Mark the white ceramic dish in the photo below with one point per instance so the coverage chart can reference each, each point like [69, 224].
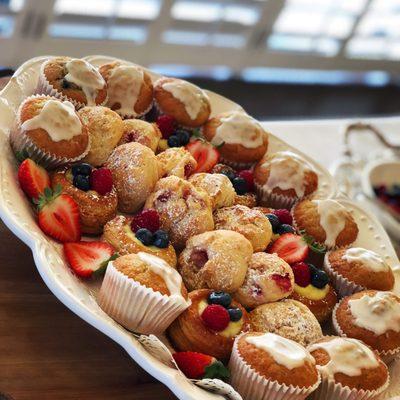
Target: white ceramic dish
[79, 296]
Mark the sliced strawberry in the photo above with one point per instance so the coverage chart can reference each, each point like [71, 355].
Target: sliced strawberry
[88, 258]
[204, 153]
[33, 178]
[290, 247]
[58, 216]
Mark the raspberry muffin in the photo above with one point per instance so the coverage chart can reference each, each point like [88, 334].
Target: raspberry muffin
[216, 260]
[129, 87]
[184, 211]
[145, 133]
[268, 279]
[176, 161]
[209, 325]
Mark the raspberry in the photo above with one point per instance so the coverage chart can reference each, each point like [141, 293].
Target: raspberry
[101, 181]
[215, 317]
[284, 216]
[148, 219]
[247, 175]
[282, 281]
[166, 124]
[302, 274]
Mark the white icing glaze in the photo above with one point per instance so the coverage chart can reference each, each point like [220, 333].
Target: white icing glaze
[347, 356]
[369, 258]
[379, 313]
[124, 86]
[287, 171]
[84, 75]
[332, 219]
[190, 95]
[239, 128]
[58, 119]
[284, 351]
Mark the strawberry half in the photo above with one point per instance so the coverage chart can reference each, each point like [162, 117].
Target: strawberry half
[32, 178]
[199, 366]
[204, 153]
[58, 215]
[290, 247]
[88, 258]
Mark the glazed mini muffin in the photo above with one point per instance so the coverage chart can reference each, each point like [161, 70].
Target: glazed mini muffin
[105, 130]
[218, 187]
[145, 133]
[326, 222]
[349, 369]
[241, 140]
[252, 224]
[268, 279]
[142, 293]
[184, 210]
[119, 233]
[209, 325]
[268, 366]
[355, 269]
[129, 87]
[374, 318]
[288, 318]
[49, 131]
[93, 191]
[134, 169]
[216, 260]
[72, 79]
[186, 103]
[282, 178]
[176, 161]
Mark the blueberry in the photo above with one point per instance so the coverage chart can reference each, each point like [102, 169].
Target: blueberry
[145, 236]
[285, 228]
[65, 84]
[82, 182]
[174, 141]
[221, 298]
[161, 239]
[240, 185]
[81, 169]
[319, 278]
[230, 174]
[184, 136]
[274, 221]
[235, 314]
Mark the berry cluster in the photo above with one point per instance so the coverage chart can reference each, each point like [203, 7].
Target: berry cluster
[281, 221]
[242, 181]
[306, 274]
[85, 178]
[390, 195]
[175, 137]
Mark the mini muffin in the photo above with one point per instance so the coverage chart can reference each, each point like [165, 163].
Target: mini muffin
[288, 318]
[93, 192]
[72, 79]
[326, 222]
[209, 325]
[187, 103]
[49, 131]
[218, 187]
[268, 366]
[241, 140]
[268, 279]
[374, 318]
[282, 178]
[252, 224]
[145, 133]
[356, 269]
[216, 260]
[105, 130]
[129, 87]
[142, 293]
[176, 161]
[119, 234]
[247, 199]
[349, 369]
[184, 211]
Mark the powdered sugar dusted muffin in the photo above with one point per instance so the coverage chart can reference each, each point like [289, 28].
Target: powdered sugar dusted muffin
[268, 279]
[216, 260]
[282, 178]
[288, 318]
[176, 161]
[145, 133]
[252, 224]
[129, 87]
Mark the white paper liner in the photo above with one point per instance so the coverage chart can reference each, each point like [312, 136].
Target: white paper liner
[270, 199]
[135, 306]
[253, 386]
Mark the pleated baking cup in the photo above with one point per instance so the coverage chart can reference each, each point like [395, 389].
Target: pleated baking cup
[253, 386]
[236, 165]
[136, 307]
[273, 200]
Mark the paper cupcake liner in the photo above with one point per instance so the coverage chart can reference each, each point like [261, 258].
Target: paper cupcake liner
[270, 199]
[236, 165]
[135, 306]
[253, 386]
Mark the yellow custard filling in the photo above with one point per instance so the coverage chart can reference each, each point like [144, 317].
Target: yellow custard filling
[132, 236]
[311, 292]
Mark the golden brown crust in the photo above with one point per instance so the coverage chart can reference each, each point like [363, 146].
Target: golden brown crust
[248, 200]
[176, 161]
[145, 133]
